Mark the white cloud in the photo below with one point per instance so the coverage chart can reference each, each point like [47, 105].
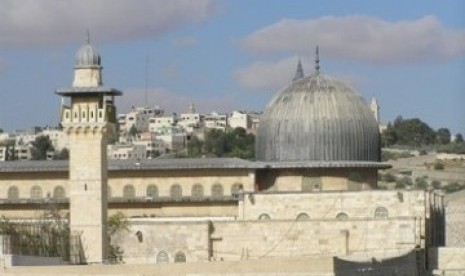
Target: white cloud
[363, 38]
[267, 75]
[271, 76]
[172, 102]
[49, 22]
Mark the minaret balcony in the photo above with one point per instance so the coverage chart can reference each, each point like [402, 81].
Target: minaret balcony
[87, 115]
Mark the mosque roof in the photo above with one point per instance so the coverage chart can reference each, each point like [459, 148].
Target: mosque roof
[181, 164]
[318, 119]
[145, 164]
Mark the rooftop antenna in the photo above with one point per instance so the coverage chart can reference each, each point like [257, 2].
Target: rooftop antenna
[147, 61]
[317, 61]
[87, 36]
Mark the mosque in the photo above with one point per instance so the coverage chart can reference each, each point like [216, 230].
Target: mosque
[312, 190]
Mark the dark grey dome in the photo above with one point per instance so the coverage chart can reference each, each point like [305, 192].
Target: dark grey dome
[318, 118]
[87, 56]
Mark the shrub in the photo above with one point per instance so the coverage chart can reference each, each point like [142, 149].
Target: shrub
[438, 166]
[452, 187]
[388, 177]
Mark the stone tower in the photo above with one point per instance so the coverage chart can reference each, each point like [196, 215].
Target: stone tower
[88, 119]
[375, 109]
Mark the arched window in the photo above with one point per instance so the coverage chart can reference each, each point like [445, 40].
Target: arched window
[217, 190]
[176, 191]
[264, 216]
[36, 192]
[342, 216]
[197, 191]
[303, 216]
[129, 191]
[13, 192]
[180, 257]
[152, 191]
[162, 257]
[381, 212]
[235, 188]
[59, 192]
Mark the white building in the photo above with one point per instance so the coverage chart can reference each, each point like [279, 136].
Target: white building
[153, 146]
[215, 120]
[3, 153]
[129, 151]
[239, 119]
[58, 138]
[138, 117]
[190, 121]
[172, 137]
[166, 121]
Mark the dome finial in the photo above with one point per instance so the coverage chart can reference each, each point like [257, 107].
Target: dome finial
[87, 36]
[317, 61]
[299, 73]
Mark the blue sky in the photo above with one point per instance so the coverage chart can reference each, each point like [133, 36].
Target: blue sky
[235, 55]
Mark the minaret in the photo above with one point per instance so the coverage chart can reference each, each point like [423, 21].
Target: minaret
[299, 72]
[317, 61]
[191, 108]
[88, 120]
[375, 109]
[87, 70]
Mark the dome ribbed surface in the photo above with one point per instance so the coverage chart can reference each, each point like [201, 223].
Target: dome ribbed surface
[317, 118]
[87, 56]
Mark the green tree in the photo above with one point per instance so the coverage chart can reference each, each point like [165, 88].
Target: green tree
[133, 131]
[443, 136]
[240, 144]
[414, 132]
[116, 224]
[194, 147]
[458, 138]
[63, 155]
[421, 183]
[40, 146]
[215, 142]
[389, 136]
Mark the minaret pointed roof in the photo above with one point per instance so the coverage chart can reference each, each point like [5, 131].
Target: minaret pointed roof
[299, 73]
[317, 61]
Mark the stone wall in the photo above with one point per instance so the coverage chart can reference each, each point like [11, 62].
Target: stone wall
[159, 242]
[327, 205]
[241, 240]
[447, 261]
[332, 179]
[455, 222]
[47, 181]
